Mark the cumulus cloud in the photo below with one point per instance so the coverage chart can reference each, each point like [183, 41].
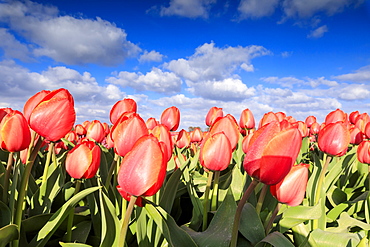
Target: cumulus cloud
[227, 90]
[150, 56]
[188, 8]
[354, 92]
[318, 32]
[257, 8]
[156, 80]
[65, 38]
[360, 75]
[13, 48]
[212, 63]
[290, 81]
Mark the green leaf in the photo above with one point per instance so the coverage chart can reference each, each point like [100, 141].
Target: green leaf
[251, 226]
[5, 215]
[58, 217]
[81, 231]
[276, 239]
[73, 245]
[7, 234]
[330, 239]
[345, 222]
[169, 192]
[219, 230]
[293, 216]
[110, 223]
[174, 235]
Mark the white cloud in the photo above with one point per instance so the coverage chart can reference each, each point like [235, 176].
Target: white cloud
[12, 47]
[257, 8]
[318, 32]
[290, 81]
[360, 75]
[151, 56]
[188, 8]
[227, 90]
[354, 92]
[156, 80]
[213, 63]
[65, 38]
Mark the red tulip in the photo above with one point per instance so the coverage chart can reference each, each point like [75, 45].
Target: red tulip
[361, 121]
[281, 115]
[229, 126]
[33, 102]
[171, 118]
[126, 131]
[163, 135]
[120, 107]
[196, 135]
[216, 152]
[213, 114]
[271, 153]
[183, 139]
[310, 120]
[268, 118]
[95, 131]
[83, 160]
[80, 130]
[363, 152]
[315, 128]
[15, 134]
[352, 116]
[247, 119]
[334, 139]
[143, 169]
[151, 123]
[335, 116]
[356, 135]
[292, 188]
[54, 116]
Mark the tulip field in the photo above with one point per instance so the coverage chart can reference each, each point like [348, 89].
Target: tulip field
[276, 181]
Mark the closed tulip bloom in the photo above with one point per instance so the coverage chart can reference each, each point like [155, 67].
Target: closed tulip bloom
[334, 139]
[120, 107]
[80, 130]
[183, 139]
[95, 131]
[32, 102]
[126, 131]
[163, 135]
[271, 153]
[310, 120]
[15, 134]
[54, 116]
[171, 118]
[363, 152]
[83, 160]
[268, 118]
[247, 119]
[352, 116]
[361, 121]
[315, 128]
[143, 169]
[196, 135]
[213, 114]
[151, 123]
[335, 116]
[292, 188]
[216, 152]
[356, 135]
[229, 126]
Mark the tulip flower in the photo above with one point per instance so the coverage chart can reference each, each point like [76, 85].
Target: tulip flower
[15, 134]
[335, 116]
[334, 139]
[80, 130]
[363, 152]
[196, 135]
[216, 152]
[151, 123]
[247, 119]
[54, 116]
[183, 139]
[213, 114]
[163, 135]
[143, 169]
[361, 121]
[83, 160]
[352, 116]
[171, 118]
[271, 153]
[292, 188]
[268, 118]
[315, 128]
[229, 126]
[310, 120]
[120, 107]
[33, 102]
[126, 131]
[356, 135]
[95, 131]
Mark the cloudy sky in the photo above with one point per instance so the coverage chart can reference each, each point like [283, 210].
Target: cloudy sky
[296, 56]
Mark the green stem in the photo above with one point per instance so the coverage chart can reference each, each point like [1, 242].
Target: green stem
[247, 193]
[72, 213]
[9, 166]
[206, 201]
[126, 221]
[46, 170]
[23, 187]
[111, 170]
[214, 205]
[272, 218]
[319, 193]
[261, 198]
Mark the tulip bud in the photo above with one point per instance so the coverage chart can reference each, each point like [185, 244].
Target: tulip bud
[120, 107]
[213, 114]
[363, 152]
[229, 126]
[334, 139]
[183, 139]
[216, 152]
[246, 119]
[335, 116]
[292, 188]
[54, 116]
[171, 118]
[268, 118]
[143, 169]
[271, 153]
[15, 134]
[196, 135]
[95, 131]
[83, 160]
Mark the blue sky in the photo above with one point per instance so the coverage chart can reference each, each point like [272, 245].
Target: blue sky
[296, 56]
